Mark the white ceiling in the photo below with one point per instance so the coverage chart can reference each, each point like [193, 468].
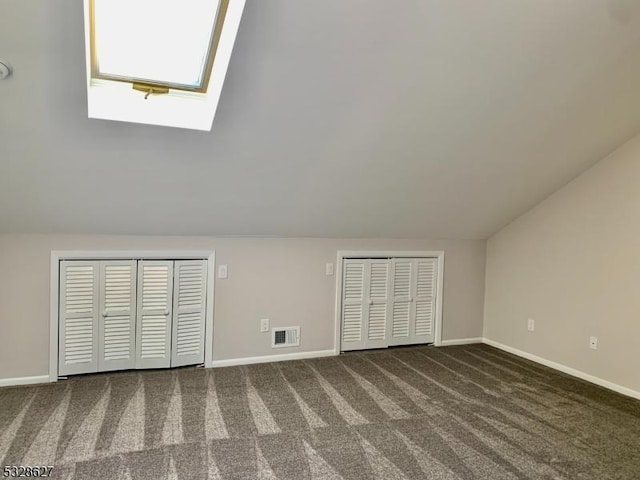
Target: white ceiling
[356, 118]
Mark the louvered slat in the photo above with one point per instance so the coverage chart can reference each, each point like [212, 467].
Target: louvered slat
[354, 281]
[118, 336]
[352, 323]
[79, 289]
[379, 279]
[377, 321]
[189, 333]
[400, 327]
[402, 279]
[426, 278]
[424, 318]
[153, 343]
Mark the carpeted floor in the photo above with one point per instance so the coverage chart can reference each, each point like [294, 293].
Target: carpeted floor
[469, 412]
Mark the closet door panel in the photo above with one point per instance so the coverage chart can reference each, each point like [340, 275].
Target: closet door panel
[189, 308]
[377, 291]
[425, 294]
[118, 315]
[154, 313]
[402, 274]
[79, 317]
[354, 307]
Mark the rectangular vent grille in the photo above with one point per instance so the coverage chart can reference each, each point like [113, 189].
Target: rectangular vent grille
[286, 337]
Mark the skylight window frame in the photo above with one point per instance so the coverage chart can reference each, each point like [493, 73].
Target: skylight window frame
[157, 84]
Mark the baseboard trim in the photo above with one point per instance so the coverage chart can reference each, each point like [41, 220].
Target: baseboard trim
[272, 358]
[11, 382]
[563, 368]
[460, 341]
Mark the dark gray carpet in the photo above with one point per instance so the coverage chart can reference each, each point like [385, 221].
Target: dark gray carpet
[470, 412]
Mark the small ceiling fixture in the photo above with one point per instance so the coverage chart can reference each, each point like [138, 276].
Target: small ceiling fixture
[5, 70]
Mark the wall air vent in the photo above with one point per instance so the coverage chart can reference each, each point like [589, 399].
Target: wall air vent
[285, 337]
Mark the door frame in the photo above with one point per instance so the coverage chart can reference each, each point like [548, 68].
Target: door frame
[342, 254]
[58, 255]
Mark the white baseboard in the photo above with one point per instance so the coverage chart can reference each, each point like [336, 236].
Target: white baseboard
[563, 368]
[272, 358]
[460, 341]
[10, 382]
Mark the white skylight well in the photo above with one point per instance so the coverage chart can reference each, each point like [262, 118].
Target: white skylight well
[161, 62]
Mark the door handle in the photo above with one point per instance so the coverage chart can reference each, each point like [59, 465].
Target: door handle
[370, 301]
[105, 313]
[166, 312]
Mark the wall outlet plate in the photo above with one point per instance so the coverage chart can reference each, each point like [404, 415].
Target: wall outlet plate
[593, 343]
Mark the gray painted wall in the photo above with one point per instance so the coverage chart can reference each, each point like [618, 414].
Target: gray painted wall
[282, 279]
[436, 119]
[573, 265]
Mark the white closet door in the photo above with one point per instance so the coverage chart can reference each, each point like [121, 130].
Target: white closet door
[354, 307]
[79, 313]
[155, 298]
[377, 292]
[189, 304]
[118, 315]
[425, 288]
[402, 278]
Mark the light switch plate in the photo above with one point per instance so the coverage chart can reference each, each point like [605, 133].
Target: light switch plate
[328, 269]
[264, 325]
[222, 271]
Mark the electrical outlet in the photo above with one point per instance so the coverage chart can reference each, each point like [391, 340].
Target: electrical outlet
[222, 271]
[328, 269]
[531, 324]
[593, 343]
[264, 325]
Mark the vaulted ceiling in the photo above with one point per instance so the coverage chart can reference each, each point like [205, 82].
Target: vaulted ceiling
[356, 118]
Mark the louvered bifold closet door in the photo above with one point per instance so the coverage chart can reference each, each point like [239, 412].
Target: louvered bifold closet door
[402, 274]
[79, 317]
[354, 307]
[377, 291]
[189, 306]
[118, 315]
[425, 287]
[153, 323]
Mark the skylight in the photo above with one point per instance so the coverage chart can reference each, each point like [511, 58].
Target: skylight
[156, 41]
[179, 48]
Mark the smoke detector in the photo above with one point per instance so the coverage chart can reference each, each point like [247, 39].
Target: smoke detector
[5, 69]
